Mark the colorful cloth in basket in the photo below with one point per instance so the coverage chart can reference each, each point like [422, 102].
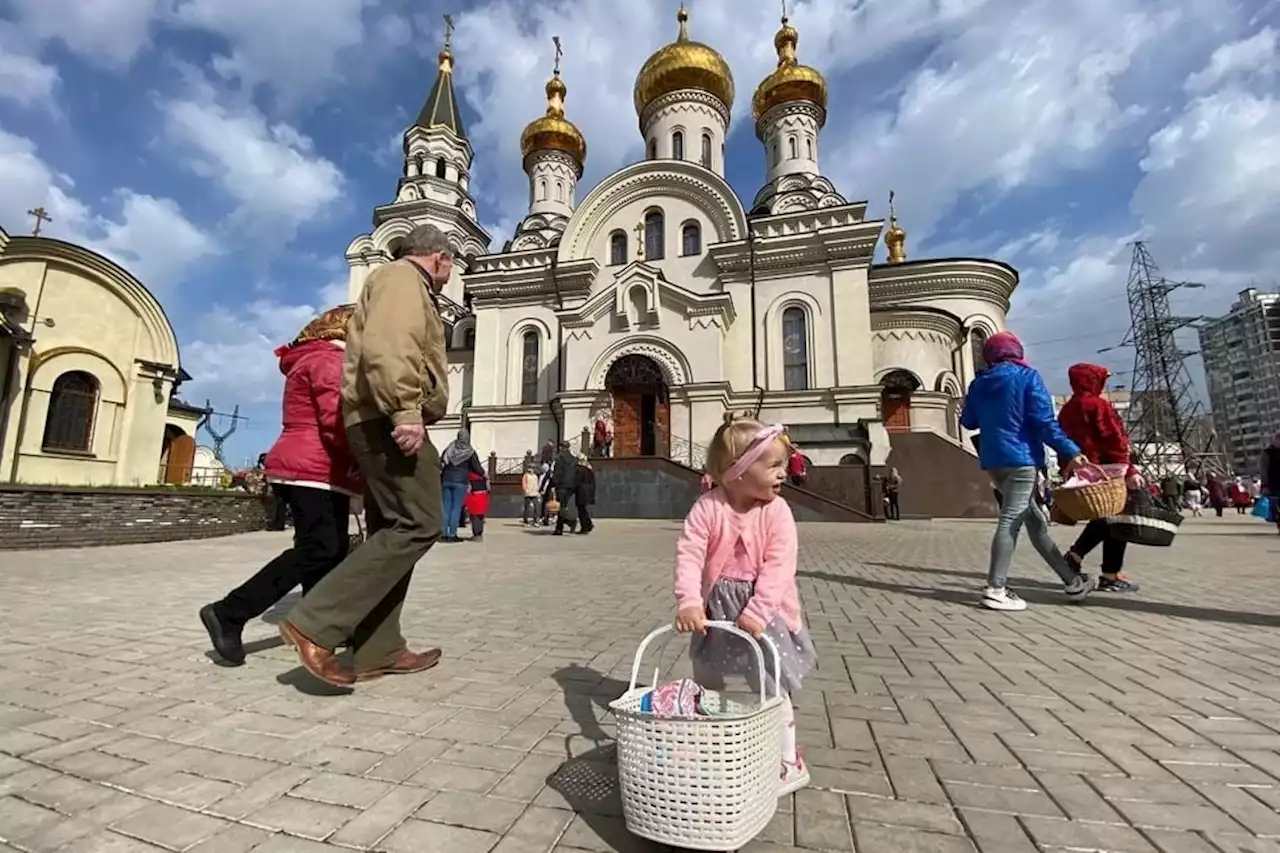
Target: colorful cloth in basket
[677, 699]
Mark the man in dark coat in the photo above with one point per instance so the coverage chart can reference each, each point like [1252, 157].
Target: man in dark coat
[564, 478]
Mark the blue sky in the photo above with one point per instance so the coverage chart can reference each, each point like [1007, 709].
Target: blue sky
[226, 151]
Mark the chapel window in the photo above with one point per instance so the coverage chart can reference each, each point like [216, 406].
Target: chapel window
[542, 190]
[653, 149]
[73, 403]
[791, 147]
[706, 150]
[795, 350]
[978, 340]
[654, 235]
[808, 146]
[617, 249]
[440, 168]
[529, 369]
[690, 239]
[677, 145]
[559, 190]
[469, 338]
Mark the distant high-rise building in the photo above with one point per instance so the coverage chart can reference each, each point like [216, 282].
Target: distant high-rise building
[1241, 353]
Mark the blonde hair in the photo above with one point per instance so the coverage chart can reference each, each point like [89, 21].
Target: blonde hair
[730, 441]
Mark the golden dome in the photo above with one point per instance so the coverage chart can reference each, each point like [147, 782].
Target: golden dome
[683, 64]
[552, 131]
[790, 81]
[895, 239]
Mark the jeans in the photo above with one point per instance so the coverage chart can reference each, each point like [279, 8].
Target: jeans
[1018, 487]
[454, 495]
[319, 544]
[532, 509]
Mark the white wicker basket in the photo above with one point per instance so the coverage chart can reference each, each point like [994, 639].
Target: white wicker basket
[701, 783]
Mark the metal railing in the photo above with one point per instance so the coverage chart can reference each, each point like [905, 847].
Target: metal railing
[691, 454]
[209, 476]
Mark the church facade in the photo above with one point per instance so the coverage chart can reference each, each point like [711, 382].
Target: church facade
[659, 299]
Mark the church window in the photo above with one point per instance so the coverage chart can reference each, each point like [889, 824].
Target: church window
[440, 168]
[559, 190]
[419, 163]
[677, 145]
[795, 350]
[617, 249]
[690, 239]
[776, 154]
[654, 236]
[469, 338]
[542, 190]
[706, 150]
[978, 339]
[808, 146]
[529, 369]
[72, 406]
[653, 149]
[791, 147]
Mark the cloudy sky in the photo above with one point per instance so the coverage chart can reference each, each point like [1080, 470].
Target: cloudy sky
[226, 151]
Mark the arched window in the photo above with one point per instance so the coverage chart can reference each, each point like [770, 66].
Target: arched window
[73, 403]
[440, 168]
[706, 150]
[808, 146]
[418, 161]
[653, 149]
[690, 239]
[677, 145]
[791, 147]
[795, 350]
[777, 157]
[559, 190]
[529, 369]
[617, 249]
[977, 341]
[654, 236]
[469, 338]
[542, 190]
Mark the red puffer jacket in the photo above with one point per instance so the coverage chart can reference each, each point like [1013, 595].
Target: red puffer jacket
[312, 448]
[1090, 420]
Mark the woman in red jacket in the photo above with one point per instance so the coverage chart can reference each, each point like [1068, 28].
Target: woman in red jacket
[1093, 423]
[313, 469]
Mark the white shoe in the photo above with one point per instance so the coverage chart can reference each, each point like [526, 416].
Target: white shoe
[1079, 588]
[794, 776]
[1002, 599]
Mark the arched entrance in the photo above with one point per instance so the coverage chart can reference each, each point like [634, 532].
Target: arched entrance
[641, 407]
[895, 400]
[177, 455]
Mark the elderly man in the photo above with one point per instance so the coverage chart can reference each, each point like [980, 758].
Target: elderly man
[394, 383]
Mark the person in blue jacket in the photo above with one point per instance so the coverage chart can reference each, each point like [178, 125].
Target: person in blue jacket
[1010, 405]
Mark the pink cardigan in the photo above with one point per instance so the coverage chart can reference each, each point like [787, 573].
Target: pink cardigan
[768, 533]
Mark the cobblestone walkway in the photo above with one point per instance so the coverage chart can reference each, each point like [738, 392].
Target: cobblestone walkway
[1131, 724]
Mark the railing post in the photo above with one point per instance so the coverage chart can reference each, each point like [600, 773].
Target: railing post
[586, 442]
[493, 464]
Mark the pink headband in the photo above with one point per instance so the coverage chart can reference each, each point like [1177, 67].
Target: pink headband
[762, 441]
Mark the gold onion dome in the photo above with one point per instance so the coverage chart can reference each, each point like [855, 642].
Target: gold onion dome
[683, 64]
[790, 81]
[895, 239]
[552, 131]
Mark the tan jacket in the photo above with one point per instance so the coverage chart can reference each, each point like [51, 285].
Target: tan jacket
[395, 365]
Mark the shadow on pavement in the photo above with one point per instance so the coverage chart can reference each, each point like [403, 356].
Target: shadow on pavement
[1108, 600]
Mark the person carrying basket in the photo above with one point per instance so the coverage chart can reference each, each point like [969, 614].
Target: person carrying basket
[736, 562]
[1009, 403]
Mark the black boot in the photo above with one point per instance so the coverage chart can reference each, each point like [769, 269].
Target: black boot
[224, 635]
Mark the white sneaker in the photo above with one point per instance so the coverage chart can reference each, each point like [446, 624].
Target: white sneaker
[1002, 599]
[794, 776]
[1079, 588]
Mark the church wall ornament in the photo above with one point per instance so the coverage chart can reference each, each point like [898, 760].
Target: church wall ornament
[674, 366]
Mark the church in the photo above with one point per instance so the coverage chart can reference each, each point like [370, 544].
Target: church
[662, 300]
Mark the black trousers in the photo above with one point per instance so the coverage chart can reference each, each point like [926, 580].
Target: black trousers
[279, 507]
[319, 543]
[895, 514]
[584, 518]
[1098, 532]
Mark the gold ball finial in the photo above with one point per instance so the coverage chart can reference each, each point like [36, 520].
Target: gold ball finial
[895, 239]
[552, 131]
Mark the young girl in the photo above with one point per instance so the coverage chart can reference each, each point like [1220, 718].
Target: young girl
[736, 562]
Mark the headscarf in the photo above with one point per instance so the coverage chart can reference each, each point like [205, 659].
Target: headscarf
[329, 326]
[1001, 347]
[459, 450]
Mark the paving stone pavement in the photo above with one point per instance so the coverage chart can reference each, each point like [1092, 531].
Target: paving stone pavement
[1132, 724]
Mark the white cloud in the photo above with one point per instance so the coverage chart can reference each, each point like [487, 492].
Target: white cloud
[107, 32]
[1254, 56]
[150, 237]
[26, 80]
[272, 171]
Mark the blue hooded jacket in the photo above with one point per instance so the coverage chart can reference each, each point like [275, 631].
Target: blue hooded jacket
[1011, 408]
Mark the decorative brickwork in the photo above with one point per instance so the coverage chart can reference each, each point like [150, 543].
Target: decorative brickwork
[69, 517]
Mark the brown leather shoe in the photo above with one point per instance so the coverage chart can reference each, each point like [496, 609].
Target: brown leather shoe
[316, 659]
[406, 663]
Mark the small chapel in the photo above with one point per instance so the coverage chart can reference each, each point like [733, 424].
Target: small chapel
[89, 367]
[661, 299]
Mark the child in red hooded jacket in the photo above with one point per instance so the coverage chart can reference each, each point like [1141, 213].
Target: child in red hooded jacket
[1093, 423]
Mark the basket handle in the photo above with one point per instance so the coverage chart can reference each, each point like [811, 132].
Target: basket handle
[723, 626]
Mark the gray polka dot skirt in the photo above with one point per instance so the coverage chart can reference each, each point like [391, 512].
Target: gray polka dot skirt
[718, 653]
